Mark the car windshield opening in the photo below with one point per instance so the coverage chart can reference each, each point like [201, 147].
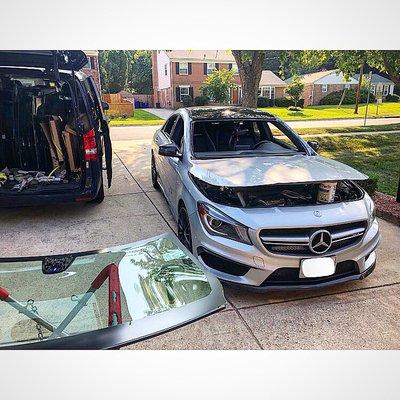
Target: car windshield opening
[220, 139]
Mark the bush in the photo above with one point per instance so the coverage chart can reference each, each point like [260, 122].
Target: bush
[187, 101]
[201, 100]
[392, 97]
[286, 102]
[264, 102]
[371, 184]
[293, 108]
[333, 99]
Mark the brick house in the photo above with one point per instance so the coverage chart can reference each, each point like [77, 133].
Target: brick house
[92, 66]
[177, 73]
[319, 84]
[379, 85]
[271, 86]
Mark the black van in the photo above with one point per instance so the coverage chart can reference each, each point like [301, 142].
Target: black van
[54, 137]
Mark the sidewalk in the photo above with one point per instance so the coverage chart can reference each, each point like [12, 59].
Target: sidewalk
[326, 123]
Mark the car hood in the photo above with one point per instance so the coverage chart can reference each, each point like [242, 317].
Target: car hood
[103, 299]
[63, 59]
[271, 170]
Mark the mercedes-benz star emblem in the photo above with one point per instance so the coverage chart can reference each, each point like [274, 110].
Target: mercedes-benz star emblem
[320, 241]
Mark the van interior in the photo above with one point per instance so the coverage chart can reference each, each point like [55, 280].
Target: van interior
[40, 148]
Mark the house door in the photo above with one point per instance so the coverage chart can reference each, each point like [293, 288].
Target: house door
[235, 96]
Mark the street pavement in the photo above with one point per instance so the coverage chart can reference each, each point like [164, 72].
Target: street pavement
[358, 315]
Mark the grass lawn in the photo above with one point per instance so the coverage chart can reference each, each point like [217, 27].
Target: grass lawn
[347, 129]
[332, 112]
[140, 117]
[377, 155]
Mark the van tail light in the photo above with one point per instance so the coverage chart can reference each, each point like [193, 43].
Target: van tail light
[90, 146]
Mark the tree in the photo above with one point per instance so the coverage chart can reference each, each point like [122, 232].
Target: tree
[114, 67]
[295, 89]
[139, 74]
[387, 61]
[217, 85]
[250, 64]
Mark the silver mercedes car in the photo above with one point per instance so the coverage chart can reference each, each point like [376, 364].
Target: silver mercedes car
[257, 205]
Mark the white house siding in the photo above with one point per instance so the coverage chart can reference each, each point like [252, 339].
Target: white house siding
[164, 81]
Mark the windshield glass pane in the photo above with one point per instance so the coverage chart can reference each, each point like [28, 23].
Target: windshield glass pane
[60, 296]
[227, 138]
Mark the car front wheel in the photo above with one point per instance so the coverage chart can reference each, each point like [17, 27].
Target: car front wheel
[184, 231]
[154, 174]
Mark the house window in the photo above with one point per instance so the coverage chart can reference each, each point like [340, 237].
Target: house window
[268, 92]
[373, 89]
[347, 86]
[183, 68]
[234, 68]
[183, 91]
[211, 68]
[165, 69]
[324, 88]
[386, 90]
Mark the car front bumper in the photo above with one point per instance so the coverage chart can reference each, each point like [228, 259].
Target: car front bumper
[256, 266]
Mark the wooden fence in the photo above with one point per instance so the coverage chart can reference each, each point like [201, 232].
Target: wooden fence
[118, 107]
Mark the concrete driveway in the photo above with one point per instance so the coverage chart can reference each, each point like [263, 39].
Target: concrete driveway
[359, 315]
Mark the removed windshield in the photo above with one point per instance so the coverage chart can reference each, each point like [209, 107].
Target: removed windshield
[219, 139]
[103, 299]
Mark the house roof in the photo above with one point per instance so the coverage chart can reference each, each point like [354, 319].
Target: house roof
[268, 78]
[311, 78]
[376, 78]
[201, 55]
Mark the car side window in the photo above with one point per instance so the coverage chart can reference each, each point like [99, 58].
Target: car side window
[177, 132]
[167, 128]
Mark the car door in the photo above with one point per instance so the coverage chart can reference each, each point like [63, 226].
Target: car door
[163, 136]
[173, 165]
[103, 126]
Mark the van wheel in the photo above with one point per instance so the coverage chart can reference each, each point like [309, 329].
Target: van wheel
[154, 174]
[184, 231]
[100, 196]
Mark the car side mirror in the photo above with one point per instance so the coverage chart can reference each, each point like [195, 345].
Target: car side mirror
[313, 144]
[105, 105]
[169, 150]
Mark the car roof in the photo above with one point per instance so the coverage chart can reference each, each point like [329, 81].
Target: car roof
[39, 72]
[218, 113]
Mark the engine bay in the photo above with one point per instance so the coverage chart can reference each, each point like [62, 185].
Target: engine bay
[281, 195]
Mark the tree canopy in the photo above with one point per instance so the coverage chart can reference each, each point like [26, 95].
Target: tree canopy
[218, 84]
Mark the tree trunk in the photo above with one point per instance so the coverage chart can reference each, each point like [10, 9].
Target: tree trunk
[358, 95]
[250, 64]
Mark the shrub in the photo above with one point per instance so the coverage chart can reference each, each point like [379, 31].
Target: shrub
[217, 85]
[333, 98]
[392, 97]
[286, 102]
[293, 108]
[201, 100]
[371, 184]
[295, 89]
[187, 100]
[264, 102]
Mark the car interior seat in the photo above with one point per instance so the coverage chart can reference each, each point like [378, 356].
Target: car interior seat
[202, 141]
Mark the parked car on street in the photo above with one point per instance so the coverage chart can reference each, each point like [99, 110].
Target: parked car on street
[54, 135]
[257, 205]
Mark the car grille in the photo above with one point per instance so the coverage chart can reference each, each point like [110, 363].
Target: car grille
[295, 242]
[290, 276]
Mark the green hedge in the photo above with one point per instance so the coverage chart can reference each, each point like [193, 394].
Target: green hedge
[286, 102]
[391, 97]
[333, 99]
[201, 100]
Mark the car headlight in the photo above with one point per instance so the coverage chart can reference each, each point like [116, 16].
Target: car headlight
[217, 223]
[371, 212]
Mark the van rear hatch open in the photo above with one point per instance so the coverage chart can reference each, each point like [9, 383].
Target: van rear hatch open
[48, 59]
[103, 299]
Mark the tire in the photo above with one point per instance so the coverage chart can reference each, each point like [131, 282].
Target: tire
[154, 174]
[184, 229]
[100, 195]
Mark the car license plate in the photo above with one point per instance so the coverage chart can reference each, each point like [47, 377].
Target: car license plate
[317, 267]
